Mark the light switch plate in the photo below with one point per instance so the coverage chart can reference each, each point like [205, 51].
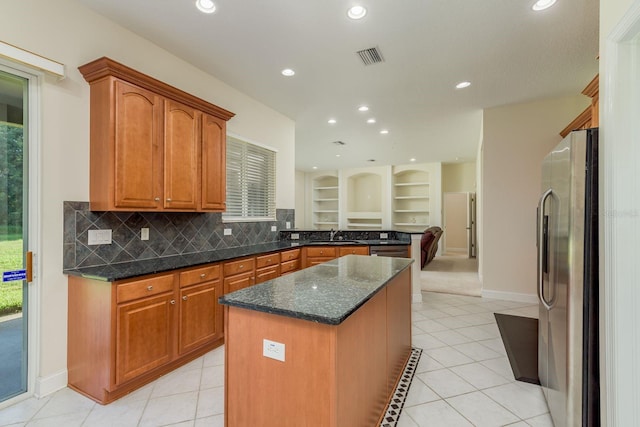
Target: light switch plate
[99, 237]
[384, 235]
[227, 232]
[273, 350]
[274, 228]
[287, 225]
[144, 233]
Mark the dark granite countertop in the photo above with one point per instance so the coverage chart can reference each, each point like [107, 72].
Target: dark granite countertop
[326, 293]
[127, 270]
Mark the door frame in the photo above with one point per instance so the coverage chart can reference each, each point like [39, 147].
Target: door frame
[35, 79]
[619, 151]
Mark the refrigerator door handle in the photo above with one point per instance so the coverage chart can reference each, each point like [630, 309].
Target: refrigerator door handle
[542, 246]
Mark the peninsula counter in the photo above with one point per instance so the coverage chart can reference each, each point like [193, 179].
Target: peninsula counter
[324, 346]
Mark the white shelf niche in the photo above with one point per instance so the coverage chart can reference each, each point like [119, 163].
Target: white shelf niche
[325, 198]
[411, 199]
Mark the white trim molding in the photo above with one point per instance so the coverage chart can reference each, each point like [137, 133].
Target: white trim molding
[31, 59]
[620, 223]
[510, 296]
[50, 384]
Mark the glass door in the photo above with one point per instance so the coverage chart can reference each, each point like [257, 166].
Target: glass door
[14, 258]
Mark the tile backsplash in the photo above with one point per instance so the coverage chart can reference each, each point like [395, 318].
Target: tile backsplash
[170, 233]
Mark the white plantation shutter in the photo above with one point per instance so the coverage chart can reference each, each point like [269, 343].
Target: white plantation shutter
[251, 181]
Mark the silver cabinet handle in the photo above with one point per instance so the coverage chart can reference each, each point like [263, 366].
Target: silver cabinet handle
[149, 288]
[157, 199]
[184, 298]
[541, 248]
[203, 275]
[168, 199]
[241, 266]
[173, 302]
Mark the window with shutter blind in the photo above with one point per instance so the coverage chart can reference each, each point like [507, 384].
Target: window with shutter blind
[251, 181]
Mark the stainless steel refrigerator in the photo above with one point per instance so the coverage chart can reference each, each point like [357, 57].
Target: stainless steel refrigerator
[567, 240]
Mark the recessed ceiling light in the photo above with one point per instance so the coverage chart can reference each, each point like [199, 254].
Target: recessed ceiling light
[205, 6]
[337, 155]
[363, 108]
[412, 159]
[462, 85]
[315, 167]
[371, 120]
[331, 121]
[542, 5]
[288, 72]
[356, 12]
[384, 131]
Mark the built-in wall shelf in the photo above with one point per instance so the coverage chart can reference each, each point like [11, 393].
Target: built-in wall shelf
[411, 184]
[411, 198]
[326, 198]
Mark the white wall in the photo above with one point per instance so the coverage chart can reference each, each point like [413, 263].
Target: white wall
[301, 205]
[459, 177]
[66, 31]
[515, 140]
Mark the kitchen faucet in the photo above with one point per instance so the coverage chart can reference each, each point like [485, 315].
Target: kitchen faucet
[332, 233]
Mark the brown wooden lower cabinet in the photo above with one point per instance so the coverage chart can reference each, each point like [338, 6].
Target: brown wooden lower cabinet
[124, 334]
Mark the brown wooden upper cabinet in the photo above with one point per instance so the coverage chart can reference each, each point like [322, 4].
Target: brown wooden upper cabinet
[153, 147]
[590, 117]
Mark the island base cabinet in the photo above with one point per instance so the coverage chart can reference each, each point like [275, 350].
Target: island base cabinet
[332, 375]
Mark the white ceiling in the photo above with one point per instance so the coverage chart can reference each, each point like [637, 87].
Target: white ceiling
[509, 53]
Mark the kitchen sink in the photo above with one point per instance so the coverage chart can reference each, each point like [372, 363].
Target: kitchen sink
[334, 242]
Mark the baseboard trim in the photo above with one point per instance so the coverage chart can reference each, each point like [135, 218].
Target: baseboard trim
[417, 297]
[510, 296]
[50, 384]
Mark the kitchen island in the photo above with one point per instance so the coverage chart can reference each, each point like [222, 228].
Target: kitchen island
[324, 346]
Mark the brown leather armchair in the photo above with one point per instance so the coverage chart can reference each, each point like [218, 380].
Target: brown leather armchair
[429, 244]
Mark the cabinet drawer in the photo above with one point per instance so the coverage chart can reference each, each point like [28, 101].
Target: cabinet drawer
[267, 273]
[322, 251]
[239, 281]
[199, 275]
[317, 260]
[267, 260]
[290, 266]
[240, 266]
[144, 288]
[354, 250]
[289, 255]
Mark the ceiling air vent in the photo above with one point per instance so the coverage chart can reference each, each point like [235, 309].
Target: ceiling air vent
[339, 143]
[370, 56]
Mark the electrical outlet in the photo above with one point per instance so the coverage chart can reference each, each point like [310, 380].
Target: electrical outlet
[227, 232]
[295, 236]
[144, 233]
[274, 228]
[384, 235]
[273, 350]
[287, 225]
[99, 237]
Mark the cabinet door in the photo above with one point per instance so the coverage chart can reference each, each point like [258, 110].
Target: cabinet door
[138, 155]
[239, 281]
[200, 315]
[214, 172]
[144, 336]
[181, 156]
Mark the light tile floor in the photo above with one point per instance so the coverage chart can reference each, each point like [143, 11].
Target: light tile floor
[463, 379]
